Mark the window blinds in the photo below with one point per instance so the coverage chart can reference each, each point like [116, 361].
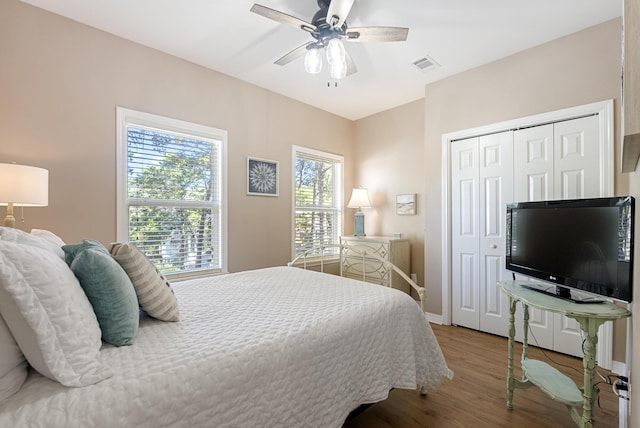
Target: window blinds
[318, 200]
[173, 197]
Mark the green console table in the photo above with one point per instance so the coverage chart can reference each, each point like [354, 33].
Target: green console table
[561, 388]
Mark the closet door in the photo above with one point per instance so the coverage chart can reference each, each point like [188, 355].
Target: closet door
[533, 163]
[565, 159]
[496, 190]
[577, 175]
[482, 185]
[557, 161]
[533, 181]
[465, 300]
[576, 159]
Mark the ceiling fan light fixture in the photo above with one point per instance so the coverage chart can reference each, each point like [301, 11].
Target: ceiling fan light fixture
[329, 28]
[313, 61]
[338, 69]
[335, 51]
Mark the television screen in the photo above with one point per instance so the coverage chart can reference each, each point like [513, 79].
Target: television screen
[585, 244]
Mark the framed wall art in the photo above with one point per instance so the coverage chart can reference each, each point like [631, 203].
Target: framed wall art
[262, 177]
[406, 204]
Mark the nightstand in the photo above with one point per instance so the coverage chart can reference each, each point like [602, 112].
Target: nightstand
[394, 250]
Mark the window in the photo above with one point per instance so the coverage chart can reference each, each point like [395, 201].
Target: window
[317, 195]
[172, 192]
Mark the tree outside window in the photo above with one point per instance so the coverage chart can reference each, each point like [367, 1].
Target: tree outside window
[173, 198]
[318, 199]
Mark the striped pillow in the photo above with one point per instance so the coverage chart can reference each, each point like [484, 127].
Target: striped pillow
[154, 292]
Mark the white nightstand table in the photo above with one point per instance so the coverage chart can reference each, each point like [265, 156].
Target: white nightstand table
[394, 250]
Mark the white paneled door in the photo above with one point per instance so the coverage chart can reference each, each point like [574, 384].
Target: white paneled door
[534, 181]
[496, 190]
[533, 162]
[559, 161]
[576, 158]
[482, 185]
[551, 161]
[465, 233]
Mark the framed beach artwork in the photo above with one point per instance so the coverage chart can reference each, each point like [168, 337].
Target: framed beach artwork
[406, 204]
[262, 177]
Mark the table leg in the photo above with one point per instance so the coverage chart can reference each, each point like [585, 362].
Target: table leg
[590, 328]
[525, 332]
[512, 334]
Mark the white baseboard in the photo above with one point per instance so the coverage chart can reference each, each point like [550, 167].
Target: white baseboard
[433, 318]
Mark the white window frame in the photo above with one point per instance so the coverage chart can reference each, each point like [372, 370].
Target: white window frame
[126, 117]
[339, 205]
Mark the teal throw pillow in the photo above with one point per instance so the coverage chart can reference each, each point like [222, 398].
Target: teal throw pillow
[72, 250]
[111, 294]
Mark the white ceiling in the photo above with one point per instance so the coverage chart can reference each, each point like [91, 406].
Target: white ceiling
[225, 36]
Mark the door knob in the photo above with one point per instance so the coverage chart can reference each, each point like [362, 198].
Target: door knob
[494, 246]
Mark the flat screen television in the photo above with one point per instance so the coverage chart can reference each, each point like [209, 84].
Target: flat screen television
[582, 244]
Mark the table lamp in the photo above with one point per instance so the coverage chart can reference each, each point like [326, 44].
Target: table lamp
[359, 199]
[22, 186]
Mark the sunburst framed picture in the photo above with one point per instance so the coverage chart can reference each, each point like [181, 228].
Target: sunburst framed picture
[262, 177]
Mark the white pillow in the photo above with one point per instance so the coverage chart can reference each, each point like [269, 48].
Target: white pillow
[49, 315]
[47, 235]
[20, 237]
[13, 366]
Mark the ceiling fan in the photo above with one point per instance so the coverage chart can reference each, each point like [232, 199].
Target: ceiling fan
[328, 27]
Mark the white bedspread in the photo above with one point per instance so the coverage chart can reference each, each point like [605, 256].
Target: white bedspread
[277, 347]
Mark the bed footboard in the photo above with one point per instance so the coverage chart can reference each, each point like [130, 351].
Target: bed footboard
[321, 255]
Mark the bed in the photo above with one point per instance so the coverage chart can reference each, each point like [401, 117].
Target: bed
[277, 347]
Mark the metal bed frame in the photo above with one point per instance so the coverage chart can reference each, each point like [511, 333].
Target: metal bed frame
[318, 256]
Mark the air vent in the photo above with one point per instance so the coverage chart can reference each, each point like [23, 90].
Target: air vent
[426, 63]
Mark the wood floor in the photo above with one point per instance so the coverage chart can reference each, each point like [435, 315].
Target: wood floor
[476, 396]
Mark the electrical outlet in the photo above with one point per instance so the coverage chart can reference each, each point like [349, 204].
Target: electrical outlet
[414, 278]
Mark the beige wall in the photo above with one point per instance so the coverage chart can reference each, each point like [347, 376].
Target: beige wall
[60, 83]
[389, 149]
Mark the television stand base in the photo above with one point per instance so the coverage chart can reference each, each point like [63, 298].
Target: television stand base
[562, 296]
[540, 374]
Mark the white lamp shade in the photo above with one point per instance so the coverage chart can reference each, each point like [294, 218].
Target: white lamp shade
[335, 51]
[336, 57]
[359, 199]
[338, 70]
[25, 186]
[313, 61]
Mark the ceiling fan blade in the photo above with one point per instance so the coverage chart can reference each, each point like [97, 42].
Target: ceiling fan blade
[351, 66]
[377, 34]
[294, 54]
[282, 18]
[338, 11]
